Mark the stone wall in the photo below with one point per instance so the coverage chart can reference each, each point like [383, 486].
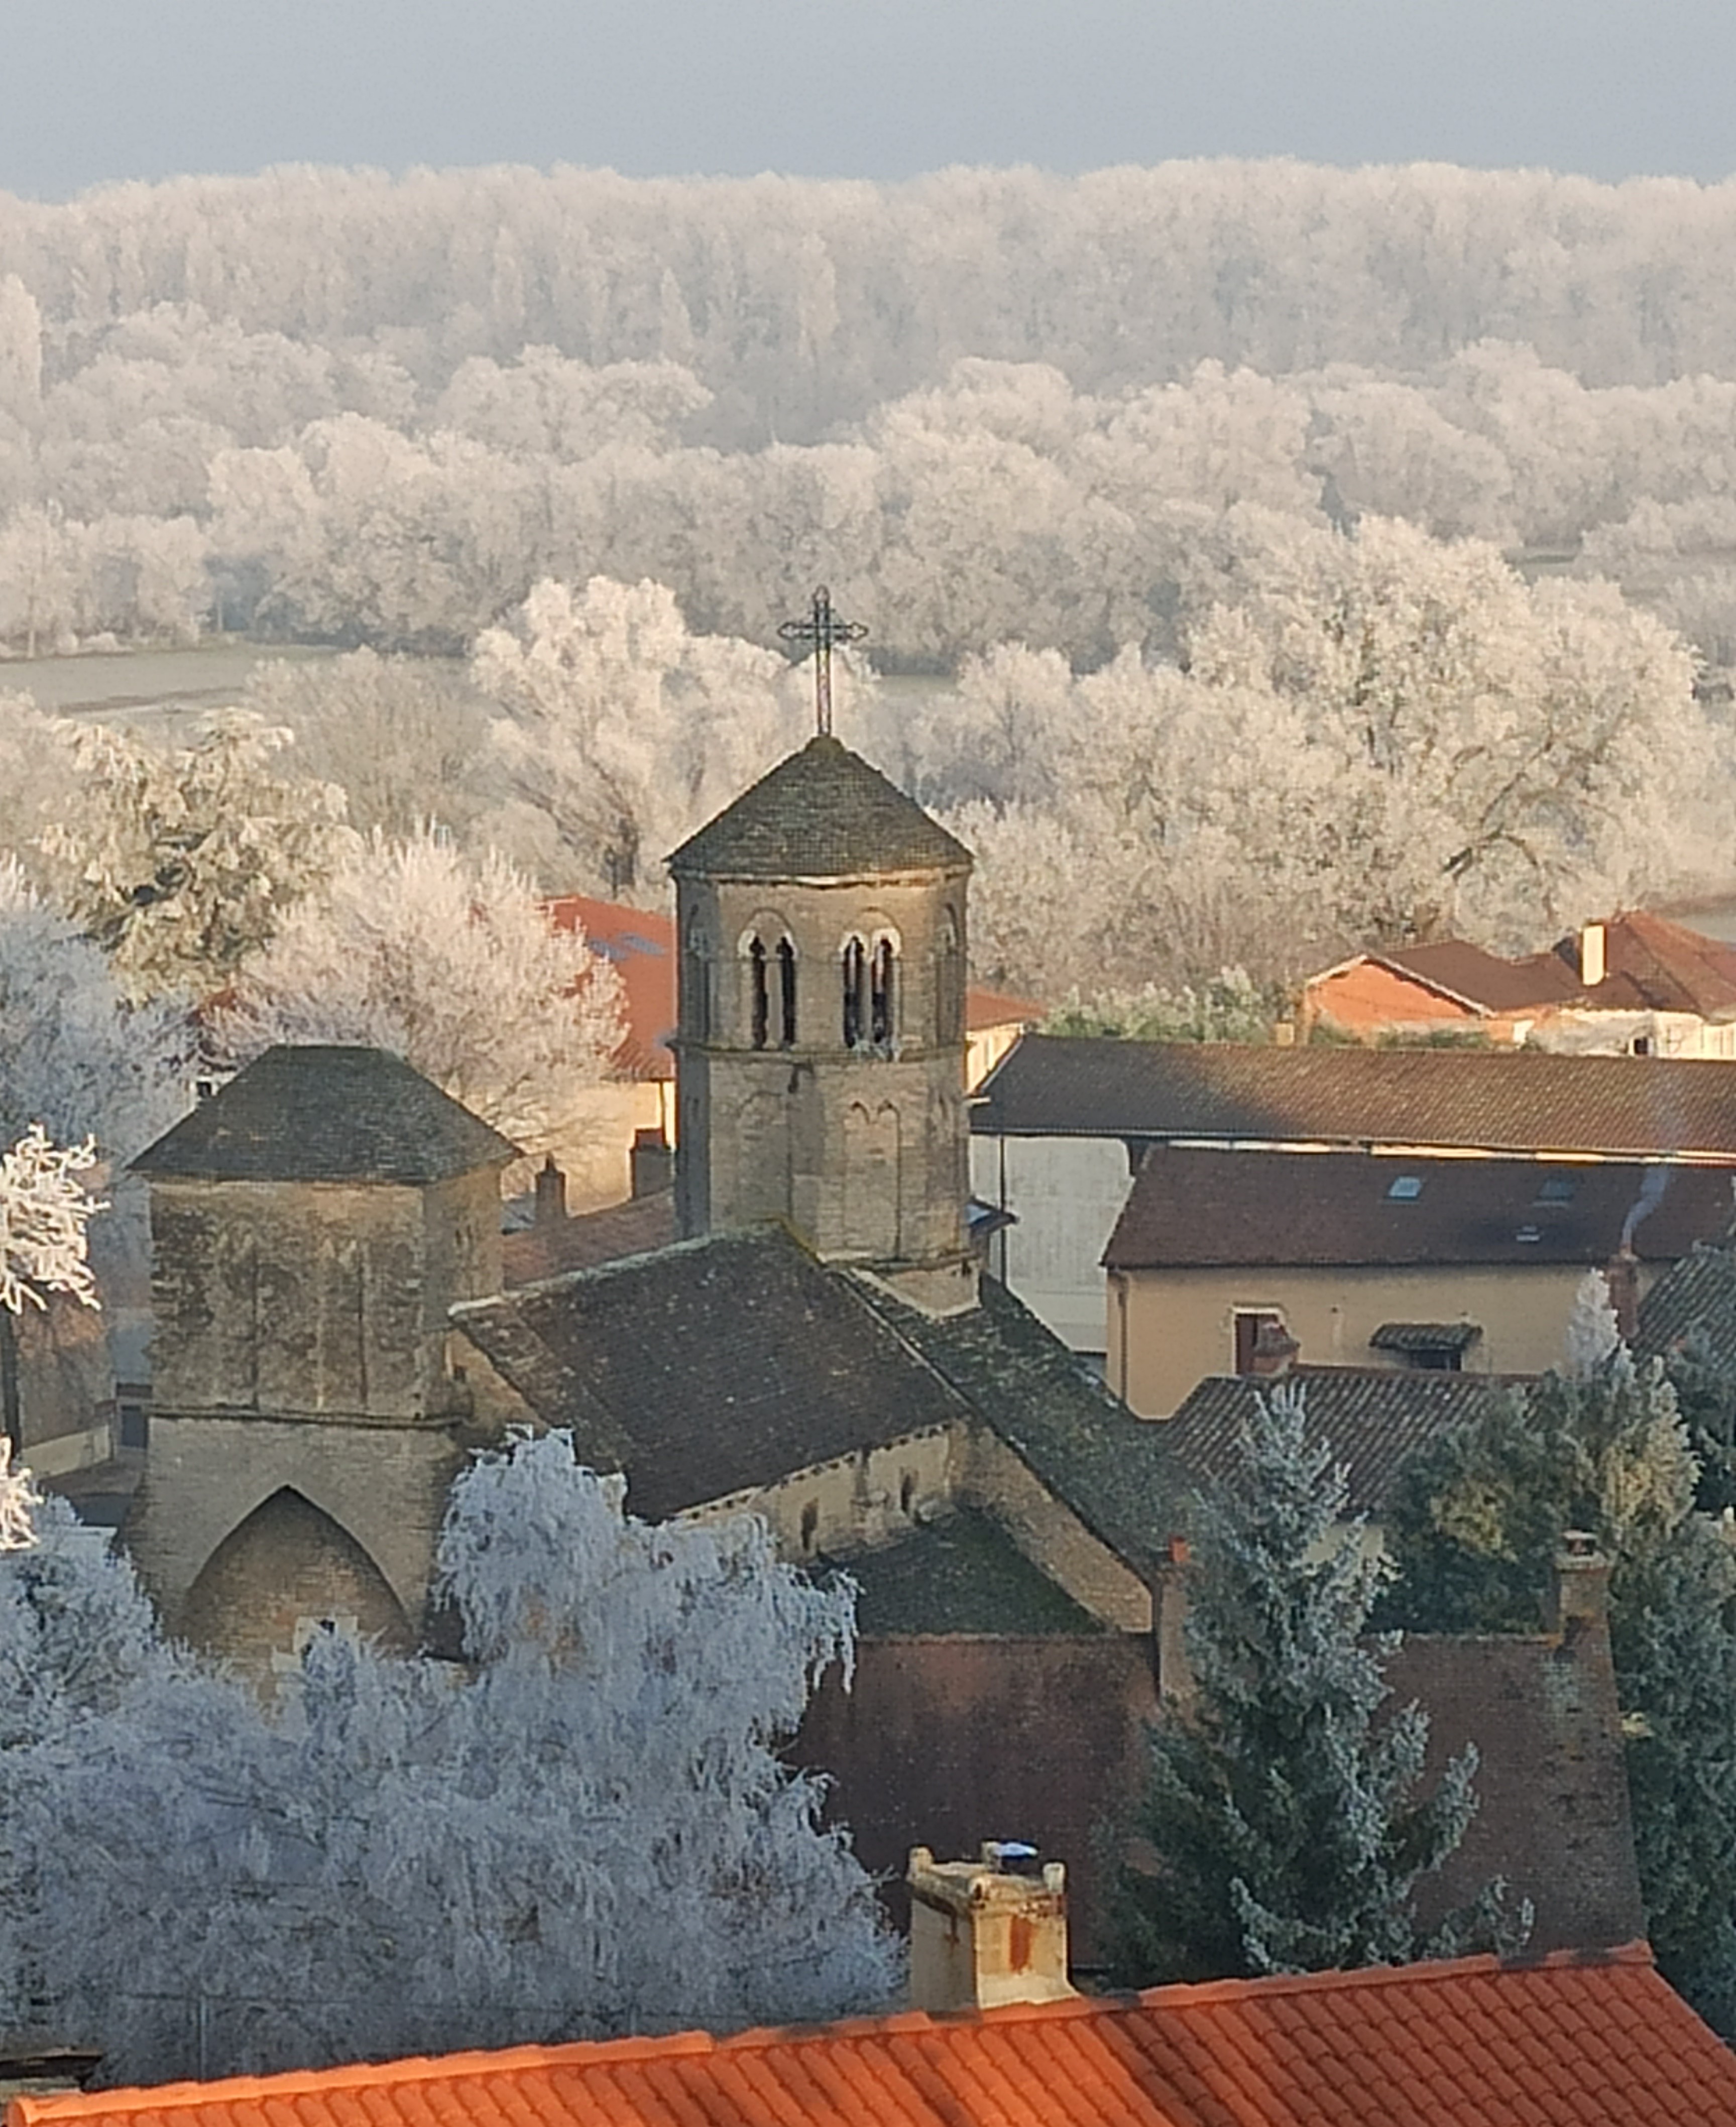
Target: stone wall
[1052, 1536]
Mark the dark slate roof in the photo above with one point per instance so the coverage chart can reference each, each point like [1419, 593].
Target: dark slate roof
[314, 1114]
[962, 1574]
[710, 1368]
[1113, 1470]
[1190, 1207]
[1373, 1418]
[822, 813]
[1514, 1103]
[1693, 1305]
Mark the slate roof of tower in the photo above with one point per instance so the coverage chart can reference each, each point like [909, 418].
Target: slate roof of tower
[1599, 2039]
[327, 1114]
[821, 813]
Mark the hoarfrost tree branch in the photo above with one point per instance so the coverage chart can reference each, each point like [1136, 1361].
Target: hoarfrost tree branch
[588, 1830]
[629, 730]
[45, 1211]
[180, 861]
[450, 962]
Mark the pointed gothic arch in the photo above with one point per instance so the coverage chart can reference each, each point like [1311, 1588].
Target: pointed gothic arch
[287, 1566]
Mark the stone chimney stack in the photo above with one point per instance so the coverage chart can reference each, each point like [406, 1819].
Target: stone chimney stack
[1172, 1672]
[652, 1163]
[551, 1198]
[1274, 1352]
[1579, 1596]
[1593, 962]
[1621, 1275]
[988, 1933]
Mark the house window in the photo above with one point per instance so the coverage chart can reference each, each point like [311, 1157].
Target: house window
[758, 1008]
[1641, 1045]
[855, 992]
[1556, 1189]
[1404, 1188]
[786, 991]
[1248, 1323]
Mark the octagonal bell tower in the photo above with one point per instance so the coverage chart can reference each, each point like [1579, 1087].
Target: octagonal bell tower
[820, 1050]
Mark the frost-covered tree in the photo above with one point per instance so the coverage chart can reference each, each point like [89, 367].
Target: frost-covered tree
[45, 1211]
[585, 1830]
[1593, 1331]
[180, 861]
[449, 961]
[628, 729]
[1229, 1007]
[1284, 1824]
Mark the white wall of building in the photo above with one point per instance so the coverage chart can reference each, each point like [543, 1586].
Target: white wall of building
[1066, 1194]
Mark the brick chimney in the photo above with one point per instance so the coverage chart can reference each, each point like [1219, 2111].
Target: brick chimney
[1621, 1274]
[1273, 1353]
[987, 1933]
[652, 1163]
[1579, 1591]
[1593, 949]
[550, 1199]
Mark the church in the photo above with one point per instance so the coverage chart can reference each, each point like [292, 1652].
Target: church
[820, 1344]
[813, 1336]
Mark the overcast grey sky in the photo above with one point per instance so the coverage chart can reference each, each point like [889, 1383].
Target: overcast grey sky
[97, 89]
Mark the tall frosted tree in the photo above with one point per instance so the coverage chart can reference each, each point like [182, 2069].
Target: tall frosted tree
[1285, 1823]
[584, 1831]
[449, 961]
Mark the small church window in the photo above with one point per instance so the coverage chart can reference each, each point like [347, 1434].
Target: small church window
[856, 997]
[882, 1000]
[786, 990]
[698, 1014]
[949, 982]
[759, 998]
[810, 1524]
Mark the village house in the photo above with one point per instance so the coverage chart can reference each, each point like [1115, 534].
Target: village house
[1400, 1262]
[1062, 1126]
[1631, 985]
[1476, 2042]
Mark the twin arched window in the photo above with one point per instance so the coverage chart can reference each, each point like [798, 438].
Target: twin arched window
[761, 981]
[870, 1007]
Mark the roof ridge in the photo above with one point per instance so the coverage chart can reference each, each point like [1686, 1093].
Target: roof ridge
[1184, 1993]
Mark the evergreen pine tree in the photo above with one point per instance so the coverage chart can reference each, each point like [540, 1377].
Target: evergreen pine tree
[1283, 1808]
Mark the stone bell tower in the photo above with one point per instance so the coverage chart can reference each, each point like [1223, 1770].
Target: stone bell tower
[820, 1052]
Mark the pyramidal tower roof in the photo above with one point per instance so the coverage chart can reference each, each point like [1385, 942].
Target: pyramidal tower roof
[822, 813]
[327, 1114]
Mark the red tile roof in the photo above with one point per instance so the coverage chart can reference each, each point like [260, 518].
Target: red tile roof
[1594, 2038]
[1651, 965]
[641, 944]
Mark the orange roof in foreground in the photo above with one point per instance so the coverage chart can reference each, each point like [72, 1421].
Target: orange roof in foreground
[641, 944]
[1596, 2039]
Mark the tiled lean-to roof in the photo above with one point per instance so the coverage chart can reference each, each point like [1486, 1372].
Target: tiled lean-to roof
[327, 1114]
[1692, 1307]
[1373, 1418]
[821, 813]
[1514, 1103]
[1599, 2040]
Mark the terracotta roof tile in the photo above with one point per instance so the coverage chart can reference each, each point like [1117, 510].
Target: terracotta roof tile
[1510, 1102]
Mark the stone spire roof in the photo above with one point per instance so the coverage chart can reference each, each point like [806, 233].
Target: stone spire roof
[318, 1113]
[822, 813]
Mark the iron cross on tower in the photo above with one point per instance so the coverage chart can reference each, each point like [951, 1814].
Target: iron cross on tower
[822, 629]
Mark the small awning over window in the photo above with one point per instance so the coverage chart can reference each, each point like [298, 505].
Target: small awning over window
[1417, 1339]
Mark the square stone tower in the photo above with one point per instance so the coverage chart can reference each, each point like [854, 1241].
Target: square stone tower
[820, 1048]
[311, 1225]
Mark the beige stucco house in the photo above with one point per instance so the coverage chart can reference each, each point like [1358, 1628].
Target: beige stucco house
[1378, 1261]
